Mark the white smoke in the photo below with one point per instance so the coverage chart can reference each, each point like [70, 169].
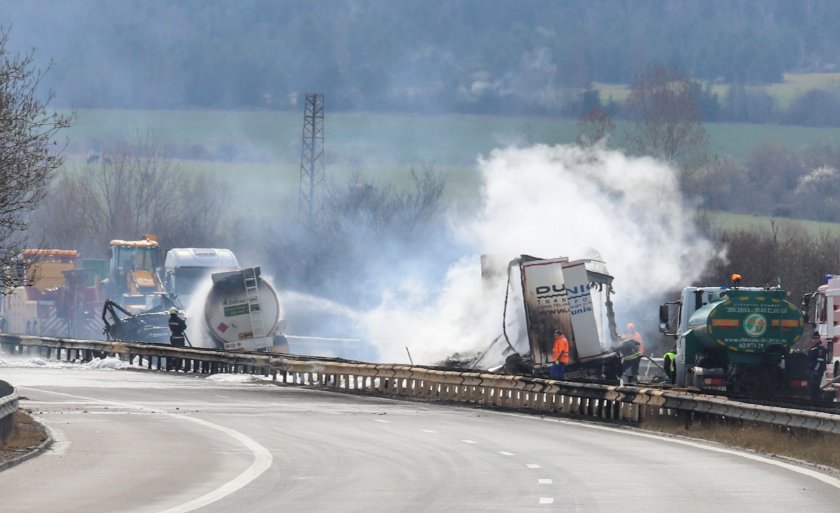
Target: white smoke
[547, 202]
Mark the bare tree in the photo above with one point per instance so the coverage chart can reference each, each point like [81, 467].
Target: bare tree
[28, 154]
[775, 254]
[665, 119]
[366, 229]
[130, 190]
[593, 126]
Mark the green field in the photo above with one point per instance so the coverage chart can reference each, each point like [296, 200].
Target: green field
[727, 221]
[257, 154]
[791, 87]
[369, 140]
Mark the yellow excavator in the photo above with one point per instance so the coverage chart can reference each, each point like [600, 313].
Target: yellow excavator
[133, 281]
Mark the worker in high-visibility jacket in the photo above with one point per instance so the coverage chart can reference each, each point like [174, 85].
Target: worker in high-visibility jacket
[633, 334]
[669, 363]
[631, 357]
[559, 356]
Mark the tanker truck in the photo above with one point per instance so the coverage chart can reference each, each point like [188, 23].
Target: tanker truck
[241, 313]
[736, 340]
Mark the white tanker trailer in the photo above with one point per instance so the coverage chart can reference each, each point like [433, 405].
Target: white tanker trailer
[242, 312]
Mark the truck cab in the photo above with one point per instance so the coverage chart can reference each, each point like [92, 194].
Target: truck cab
[186, 270]
[673, 321]
[821, 308]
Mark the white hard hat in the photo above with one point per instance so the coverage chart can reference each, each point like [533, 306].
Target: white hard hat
[173, 310]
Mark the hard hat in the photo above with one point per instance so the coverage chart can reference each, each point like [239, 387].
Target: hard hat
[173, 310]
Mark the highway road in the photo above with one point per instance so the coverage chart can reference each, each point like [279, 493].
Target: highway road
[148, 442]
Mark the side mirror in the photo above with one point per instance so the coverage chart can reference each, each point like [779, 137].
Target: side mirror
[806, 306]
[663, 316]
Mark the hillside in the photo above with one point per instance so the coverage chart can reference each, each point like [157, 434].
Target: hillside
[469, 56]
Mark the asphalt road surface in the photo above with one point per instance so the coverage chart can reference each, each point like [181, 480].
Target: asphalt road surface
[146, 442]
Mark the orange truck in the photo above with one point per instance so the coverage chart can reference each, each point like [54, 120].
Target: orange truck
[60, 298]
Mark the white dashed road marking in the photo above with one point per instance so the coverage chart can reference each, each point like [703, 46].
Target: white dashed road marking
[544, 481]
[469, 441]
[546, 500]
[533, 465]
[505, 453]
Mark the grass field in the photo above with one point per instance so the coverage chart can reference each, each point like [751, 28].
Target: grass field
[792, 86]
[728, 221]
[362, 140]
[257, 154]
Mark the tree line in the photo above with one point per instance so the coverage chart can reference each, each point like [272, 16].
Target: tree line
[738, 103]
[476, 56]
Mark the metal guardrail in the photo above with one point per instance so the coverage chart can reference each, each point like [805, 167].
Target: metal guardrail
[621, 403]
[8, 406]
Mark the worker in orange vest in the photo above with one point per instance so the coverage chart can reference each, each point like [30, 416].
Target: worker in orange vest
[632, 334]
[559, 356]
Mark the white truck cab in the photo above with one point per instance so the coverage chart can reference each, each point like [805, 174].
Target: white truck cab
[186, 269]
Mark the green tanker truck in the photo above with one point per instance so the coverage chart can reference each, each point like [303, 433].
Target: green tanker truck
[736, 340]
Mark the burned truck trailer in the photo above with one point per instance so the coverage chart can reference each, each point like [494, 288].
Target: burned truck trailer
[571, 295]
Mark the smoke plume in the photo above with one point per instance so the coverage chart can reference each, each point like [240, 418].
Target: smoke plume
[546, 202]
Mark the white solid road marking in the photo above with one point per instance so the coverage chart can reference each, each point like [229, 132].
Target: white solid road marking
[544, 481]
[505, 453]
[469, 441]
[382, 421]
[546, 500]
[262, 457]
[262, 461]
[533, 465]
